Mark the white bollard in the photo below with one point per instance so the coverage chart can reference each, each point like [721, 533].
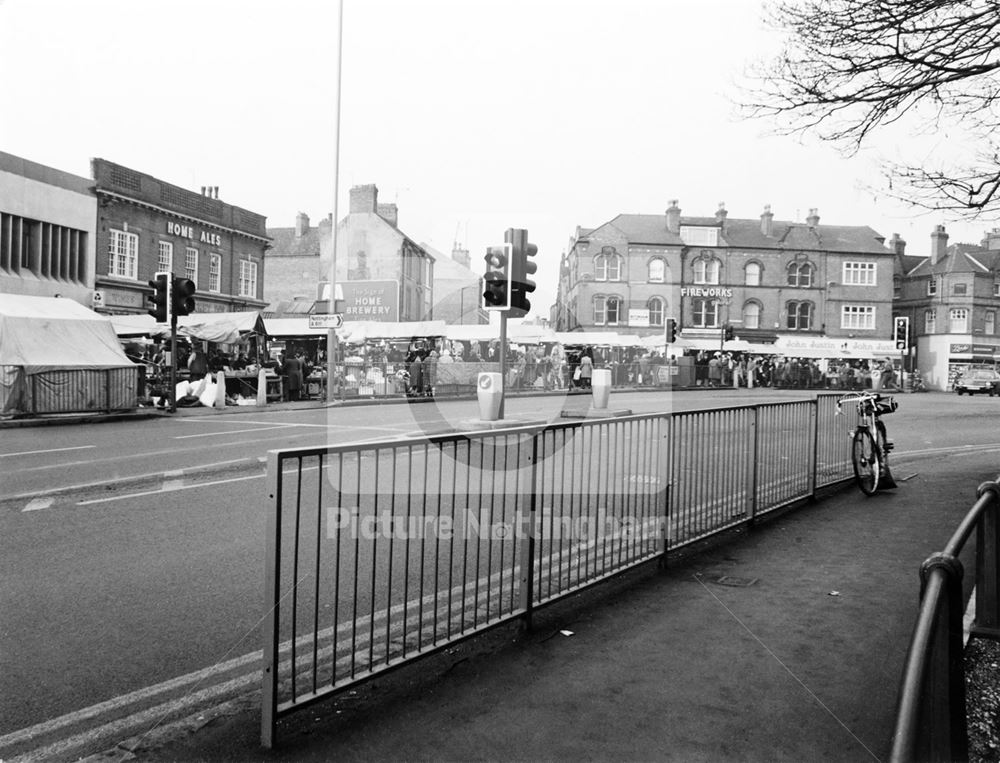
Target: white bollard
[489, 390]
[220, 390]
[262, 387]
[600, 383]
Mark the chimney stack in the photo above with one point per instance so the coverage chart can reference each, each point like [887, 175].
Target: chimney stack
[939, 244]
[767, 221]
[301, 224]
[813, 220]
[215, 191]
[720, 213]
[364, 199]
[898, 245]
[389, 213]
[460, 255]
[674, 217]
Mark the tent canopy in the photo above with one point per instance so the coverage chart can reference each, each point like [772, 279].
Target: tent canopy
[224, 328]
[43, 334]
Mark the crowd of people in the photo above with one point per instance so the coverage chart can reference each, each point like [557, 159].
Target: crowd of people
[725, 369]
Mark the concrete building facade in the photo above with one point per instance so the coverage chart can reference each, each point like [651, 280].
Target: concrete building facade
[48, 222]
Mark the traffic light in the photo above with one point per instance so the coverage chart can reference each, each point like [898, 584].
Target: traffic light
[671, 330]
[161, 297]
[521, 268]
[901, 333]
[728, 333]
[497, 278]
[183, 296]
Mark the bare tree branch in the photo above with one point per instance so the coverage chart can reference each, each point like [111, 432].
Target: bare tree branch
[852, 67]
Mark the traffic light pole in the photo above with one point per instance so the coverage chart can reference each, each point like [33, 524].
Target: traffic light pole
[503, 363]
[172, 392]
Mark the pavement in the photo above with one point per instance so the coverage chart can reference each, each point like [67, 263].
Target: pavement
[783, 641]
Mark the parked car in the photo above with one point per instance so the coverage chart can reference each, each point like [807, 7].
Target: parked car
[979, 380]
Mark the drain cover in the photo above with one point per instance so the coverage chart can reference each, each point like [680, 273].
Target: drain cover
[732, 580]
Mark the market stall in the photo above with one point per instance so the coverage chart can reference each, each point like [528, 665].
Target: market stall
[57, 356]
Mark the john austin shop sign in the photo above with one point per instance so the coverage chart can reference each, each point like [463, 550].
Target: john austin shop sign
[186, 231]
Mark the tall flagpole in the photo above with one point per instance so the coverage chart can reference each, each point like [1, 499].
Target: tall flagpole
[331, 336]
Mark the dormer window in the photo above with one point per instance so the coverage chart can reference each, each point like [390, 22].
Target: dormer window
[693, 235]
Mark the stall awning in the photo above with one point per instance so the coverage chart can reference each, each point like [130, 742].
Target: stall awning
[356, 332]
[42, 334]
[224, 328]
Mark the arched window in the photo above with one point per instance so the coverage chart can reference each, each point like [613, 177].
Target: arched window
[799, 316]
[751, 315]
[958, 320]
[657, 270]
[705, 312]
[607, 267]
[655, 307]
[607, 311]
[706, 270]
[800, 274]
[753, 274]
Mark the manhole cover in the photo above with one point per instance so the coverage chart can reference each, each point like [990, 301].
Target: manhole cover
[732, 580]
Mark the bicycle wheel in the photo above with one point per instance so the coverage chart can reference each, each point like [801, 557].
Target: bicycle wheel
[867, 464]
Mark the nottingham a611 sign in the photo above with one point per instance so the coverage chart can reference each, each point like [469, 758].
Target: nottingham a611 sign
[326, 321]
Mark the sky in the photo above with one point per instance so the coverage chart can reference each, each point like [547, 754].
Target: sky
[473, 116]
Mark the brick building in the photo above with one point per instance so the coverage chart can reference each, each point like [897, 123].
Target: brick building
[805, 284]
[951, 298]
[383, 274]
[48, 224]
[145, 225]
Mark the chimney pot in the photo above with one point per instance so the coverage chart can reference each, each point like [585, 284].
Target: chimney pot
[898, 245]
[720, 213]
[203, 190]
[813, 219]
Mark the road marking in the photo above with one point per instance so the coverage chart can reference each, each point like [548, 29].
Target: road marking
[50, 450]
[38, 503]
[169, 486]
[231, 432]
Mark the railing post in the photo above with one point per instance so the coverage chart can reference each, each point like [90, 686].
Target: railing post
[987, 622]
[947, 671]
[528, 527]
[664, 469]
[814, 450]
[753, 435]
[272, 598]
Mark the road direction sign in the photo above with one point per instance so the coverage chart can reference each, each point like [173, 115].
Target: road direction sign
[326, 321]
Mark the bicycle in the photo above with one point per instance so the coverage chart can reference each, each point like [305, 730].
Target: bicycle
[870, 445]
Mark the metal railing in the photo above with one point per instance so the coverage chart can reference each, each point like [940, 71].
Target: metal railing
[931, 719]
[382, 552]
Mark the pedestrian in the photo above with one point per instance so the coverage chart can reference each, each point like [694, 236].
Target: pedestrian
[197, 364]
[293, 372]
[715, 370]
[586, 368]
